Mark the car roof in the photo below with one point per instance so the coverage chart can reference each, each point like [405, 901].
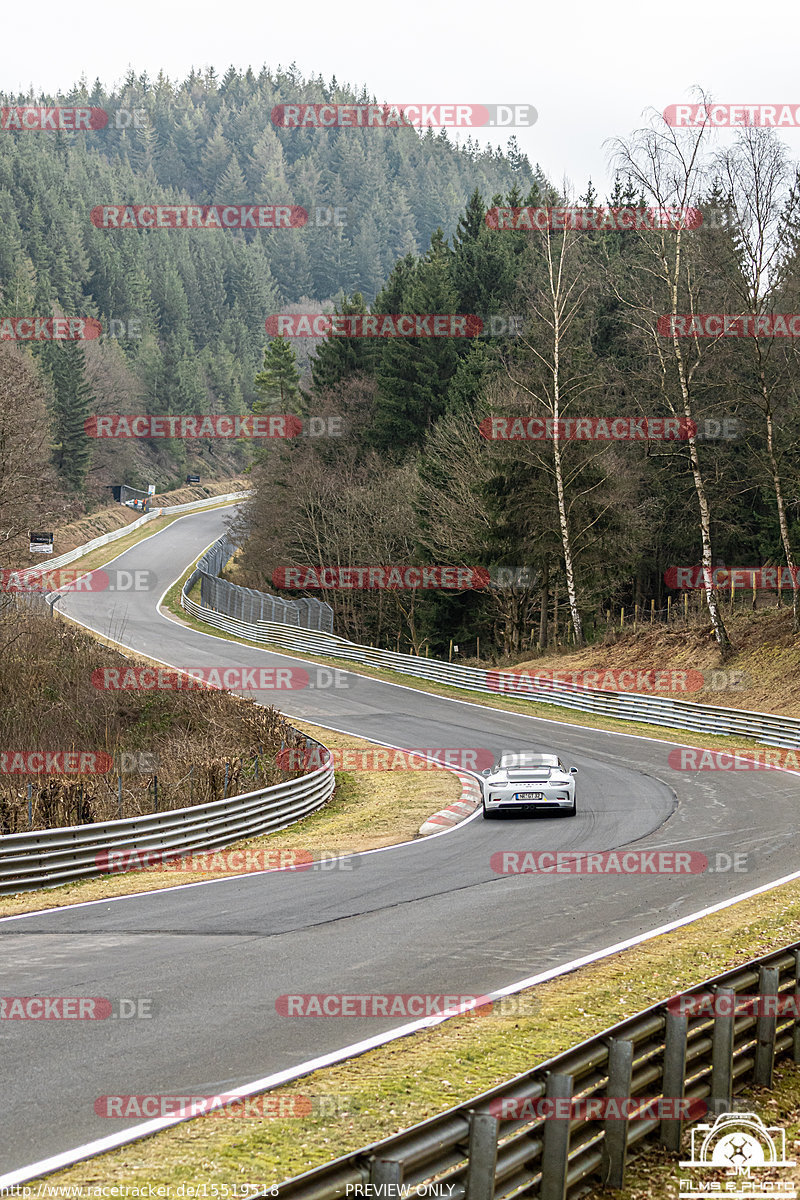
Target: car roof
[526, 759]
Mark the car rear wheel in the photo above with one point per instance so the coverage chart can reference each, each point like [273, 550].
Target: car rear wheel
[487, 816]
[571, 812]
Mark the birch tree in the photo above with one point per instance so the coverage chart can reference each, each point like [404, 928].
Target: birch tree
[668, 167]
[551, 372]
[757, 178]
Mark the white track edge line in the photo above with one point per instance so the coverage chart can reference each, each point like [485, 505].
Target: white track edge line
[135, 1132]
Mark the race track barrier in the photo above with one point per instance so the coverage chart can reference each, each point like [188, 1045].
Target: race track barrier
[48, 857]
[658, 1053]
[766, 728]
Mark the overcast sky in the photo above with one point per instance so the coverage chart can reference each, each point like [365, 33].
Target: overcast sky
[590, 69]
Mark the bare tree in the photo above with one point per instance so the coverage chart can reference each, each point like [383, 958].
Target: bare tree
[461, 525]
[668, 167]
[553, 369]
[347, 511]
[757, 178]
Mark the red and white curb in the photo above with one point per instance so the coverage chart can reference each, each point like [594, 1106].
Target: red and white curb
[459, 810]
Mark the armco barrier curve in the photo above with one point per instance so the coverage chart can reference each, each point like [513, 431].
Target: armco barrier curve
[660, 1052]
[625, 706]
[49, 857]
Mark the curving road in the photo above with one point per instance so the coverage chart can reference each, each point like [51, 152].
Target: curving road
[429, 916]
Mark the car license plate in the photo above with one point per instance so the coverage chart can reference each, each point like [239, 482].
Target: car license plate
[530, 795]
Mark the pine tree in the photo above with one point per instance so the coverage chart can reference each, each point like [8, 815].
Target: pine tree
[338, 358]
[413, 373]
[278, 382]
[72, 405]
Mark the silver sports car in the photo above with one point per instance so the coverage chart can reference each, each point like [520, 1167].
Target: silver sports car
[529, 783]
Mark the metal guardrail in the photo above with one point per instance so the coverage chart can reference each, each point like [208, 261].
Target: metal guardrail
[209, 502]
[49, 857]
[658, 1053]
[766, 728]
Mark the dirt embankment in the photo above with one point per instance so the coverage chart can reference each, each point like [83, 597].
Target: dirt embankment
[763, 674]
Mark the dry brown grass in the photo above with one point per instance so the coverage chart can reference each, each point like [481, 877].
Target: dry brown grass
[368, 809]
[51, 704]
[765, 651]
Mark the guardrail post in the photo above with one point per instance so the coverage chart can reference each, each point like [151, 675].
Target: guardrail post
[674, 1075]
[555, 1141]
[615, 1130]
[387, 1175]
[766, 1025]
[796, 1028]
[722, 1053]
[481, 1156]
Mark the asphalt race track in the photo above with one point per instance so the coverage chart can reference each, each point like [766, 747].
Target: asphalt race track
[430, 916]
